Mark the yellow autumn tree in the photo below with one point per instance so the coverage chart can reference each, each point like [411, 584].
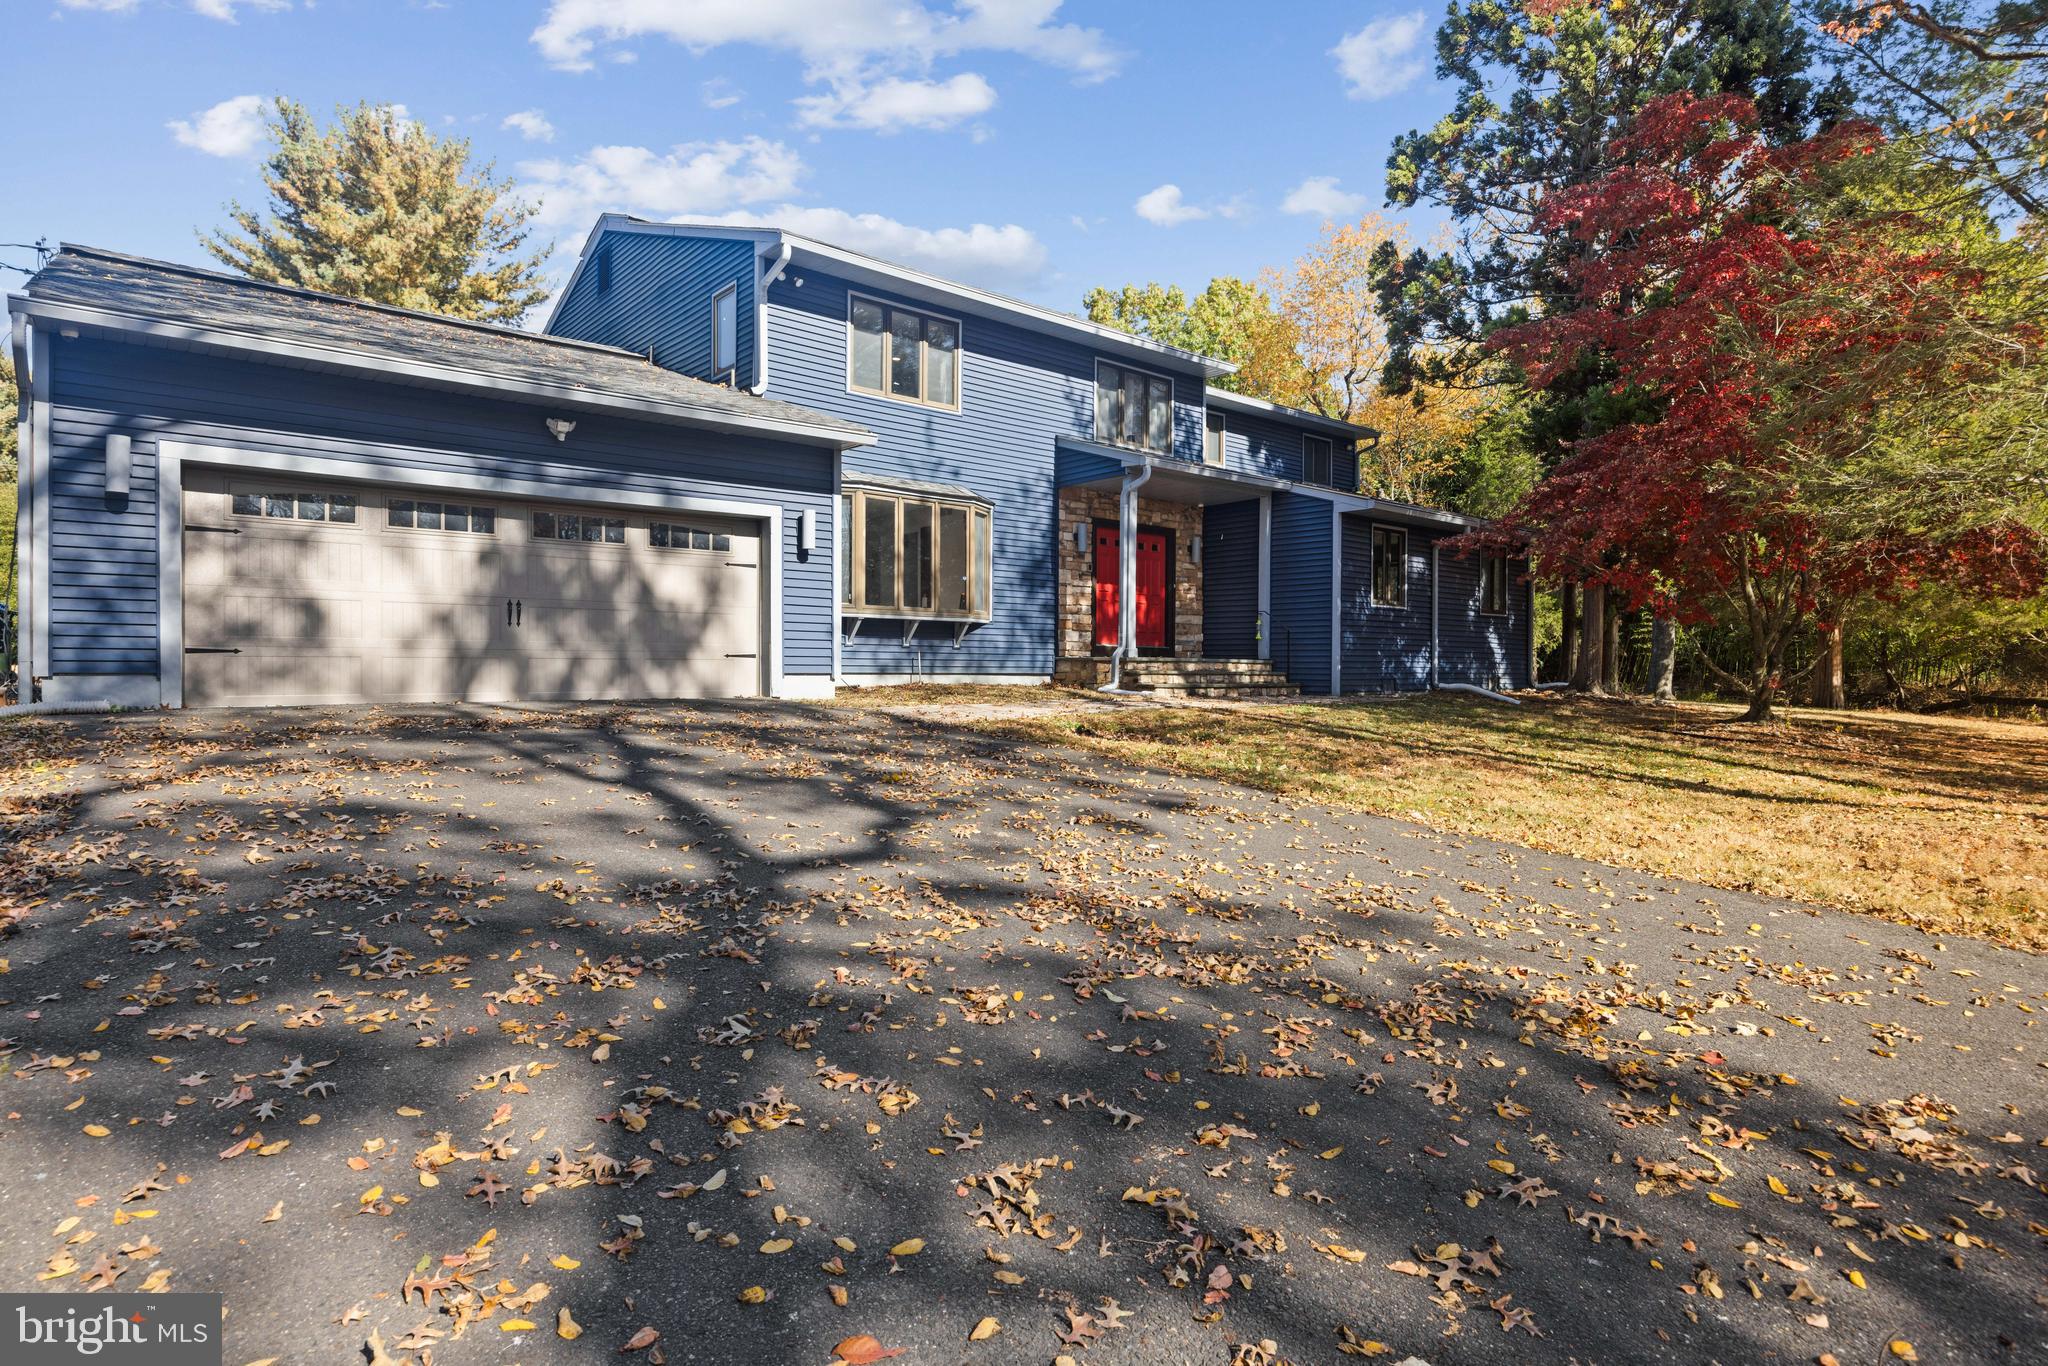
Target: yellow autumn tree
[1327, 301]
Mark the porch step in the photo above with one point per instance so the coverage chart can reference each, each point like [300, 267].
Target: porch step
[1227, 678]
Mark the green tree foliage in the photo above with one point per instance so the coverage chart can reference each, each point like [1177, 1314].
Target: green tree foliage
[1232, 319]
[376, 207]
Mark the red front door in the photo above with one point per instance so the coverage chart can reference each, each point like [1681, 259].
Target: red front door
[1152, 588]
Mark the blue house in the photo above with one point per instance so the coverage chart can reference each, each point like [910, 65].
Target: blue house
[739, 462]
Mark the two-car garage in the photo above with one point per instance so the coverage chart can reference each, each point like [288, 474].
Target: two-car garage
[302, 591]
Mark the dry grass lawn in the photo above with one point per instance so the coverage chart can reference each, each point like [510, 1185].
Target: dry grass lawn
[1939, 822]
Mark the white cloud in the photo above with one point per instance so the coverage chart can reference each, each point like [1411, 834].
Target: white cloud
[532, 124]
[1165, 207]
[750, 183]
[224, 10]
[891, 105]
[232, 128]
[1319, 196]
[834, 37]
[720, 93]
[1383, 58]
[103, 6]
[691, 180]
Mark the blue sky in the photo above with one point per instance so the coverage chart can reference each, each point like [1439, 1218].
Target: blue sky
[1031, 146]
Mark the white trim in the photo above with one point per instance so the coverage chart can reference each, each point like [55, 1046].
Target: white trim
[461, 378]
[1386, 508]
[922, 311]
[722, 365]
[38, 388]
[1222, 438]
[913, 284]
[173, 456]
[807, 688]
[1230, 398]
[138, 691]
[764, 276]
[879, 680]
[1336, 602]
[839, 553]
[1265, 576]
[1372, 596]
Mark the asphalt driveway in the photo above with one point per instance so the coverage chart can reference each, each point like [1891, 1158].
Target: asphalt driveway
[740, 1031]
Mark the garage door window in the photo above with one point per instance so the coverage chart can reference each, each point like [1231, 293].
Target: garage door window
[669, 536]
[573, 526]
[302, 507]
[436, 516]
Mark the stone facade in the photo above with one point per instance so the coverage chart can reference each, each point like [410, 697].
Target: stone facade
[1078, 507]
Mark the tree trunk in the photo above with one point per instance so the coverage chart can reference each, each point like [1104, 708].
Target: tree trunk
[1568, 606]
[1610, 647]
[1587, 675]
[1663, 660]
[1830, 688]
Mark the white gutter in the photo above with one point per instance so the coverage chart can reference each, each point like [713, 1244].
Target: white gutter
[54, 709]
[1478, 691]
[1436, 564]
[25, 604]
[1126, 576]
[765, 278]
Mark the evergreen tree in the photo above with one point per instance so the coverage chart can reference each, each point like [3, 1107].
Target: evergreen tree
[376, 207]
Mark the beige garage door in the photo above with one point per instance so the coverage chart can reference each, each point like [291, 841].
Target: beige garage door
[298, 592]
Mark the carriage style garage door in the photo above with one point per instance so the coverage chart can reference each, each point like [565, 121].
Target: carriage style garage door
[298, 593]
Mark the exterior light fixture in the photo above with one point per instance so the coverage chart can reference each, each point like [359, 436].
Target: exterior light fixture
[561, 427]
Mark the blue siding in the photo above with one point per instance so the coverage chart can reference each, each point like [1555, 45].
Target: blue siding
[1254, 443]
[103, 553]
[1480, 649]
[1230, 580]
[1020, 391]
[1301, 589]
[657, 295]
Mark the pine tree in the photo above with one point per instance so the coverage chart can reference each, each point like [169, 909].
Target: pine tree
[376, 207]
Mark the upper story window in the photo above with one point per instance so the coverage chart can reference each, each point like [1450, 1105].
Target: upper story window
[905, 556]
[902, 353]
[1493, 585]
[725, 316]
[1316, 465]
[1389, 567]
[1212, 438]
[1133, 408]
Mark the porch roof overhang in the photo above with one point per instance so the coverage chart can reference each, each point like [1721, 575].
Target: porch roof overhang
[1386, 509]
[1092, 465]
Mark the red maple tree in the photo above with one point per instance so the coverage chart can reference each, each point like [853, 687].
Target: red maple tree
[1704, 279]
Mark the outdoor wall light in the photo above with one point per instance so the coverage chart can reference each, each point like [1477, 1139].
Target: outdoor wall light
[1080, 538]
[807, 530]
[1195, 548]
[561, 427]
[120, 457]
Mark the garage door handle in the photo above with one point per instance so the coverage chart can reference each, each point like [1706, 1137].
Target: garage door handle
[741, 564]
[515, 611]
[730, 655]
[223, 530]
[213, 649]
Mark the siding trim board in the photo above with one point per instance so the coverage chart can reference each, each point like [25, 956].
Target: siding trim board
[173, 456]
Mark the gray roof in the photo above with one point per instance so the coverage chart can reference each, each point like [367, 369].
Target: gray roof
[208, 310]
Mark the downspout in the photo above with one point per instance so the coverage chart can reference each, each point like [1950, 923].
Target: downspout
[768, 277]
[1126, 578]
[1436, 566]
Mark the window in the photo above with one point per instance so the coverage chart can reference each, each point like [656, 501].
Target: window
[1389, 567]
[904, 354]
[724, 329]
[669, 536]
[303, 507]
[575, 526]
[1133, 408]
[1493, 585]
[1315, 461]
[1212, 438]
[424, 516]
[905, 556]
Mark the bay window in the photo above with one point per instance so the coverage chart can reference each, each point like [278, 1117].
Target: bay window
[902, 353]
[1133, 408]
[903, 555]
